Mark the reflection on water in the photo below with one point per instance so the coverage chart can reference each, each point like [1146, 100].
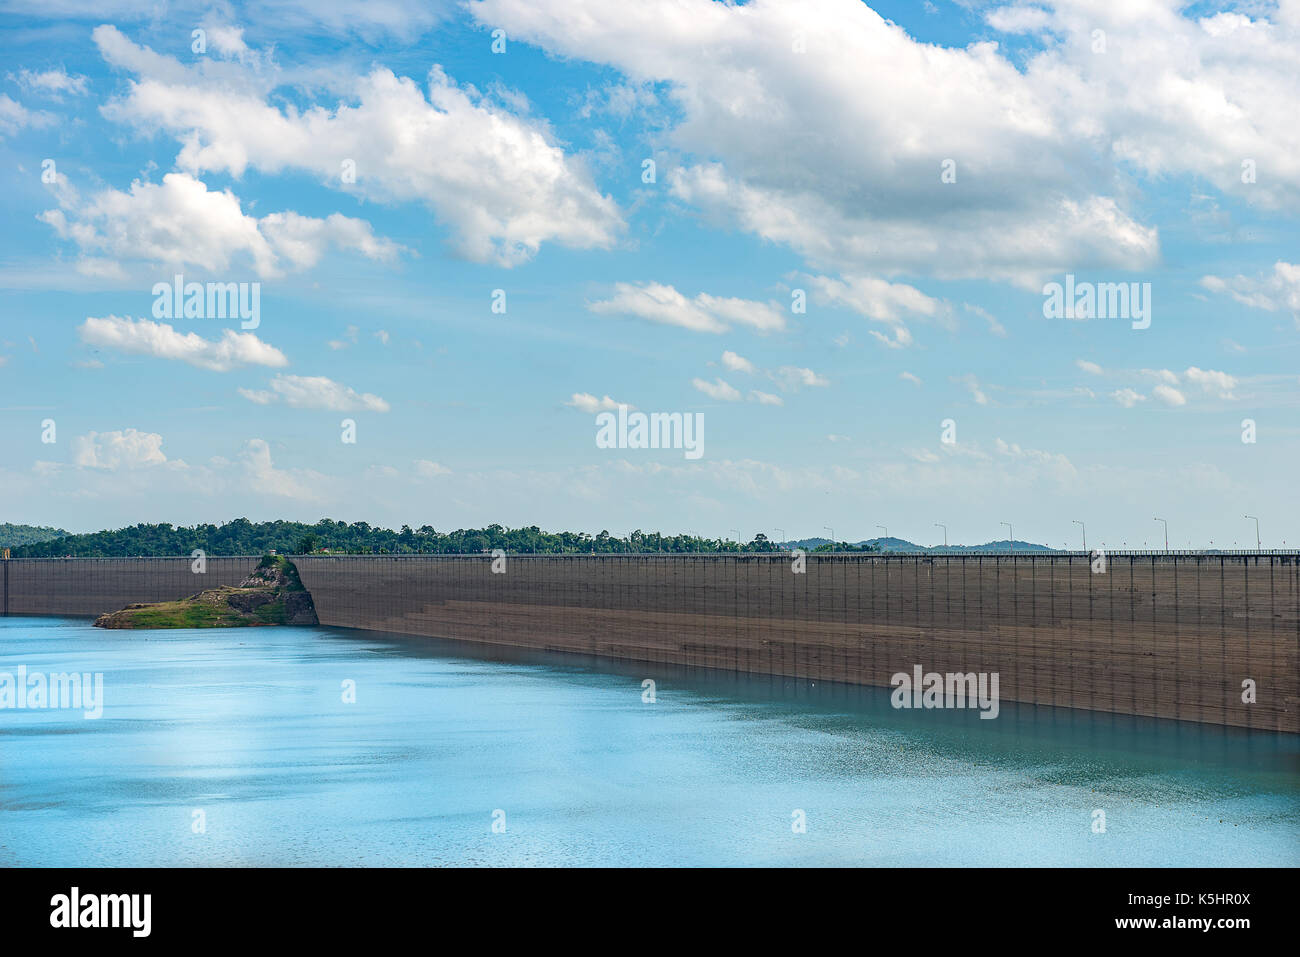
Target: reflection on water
[248, 726]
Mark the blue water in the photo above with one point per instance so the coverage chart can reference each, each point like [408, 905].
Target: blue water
[249, 727]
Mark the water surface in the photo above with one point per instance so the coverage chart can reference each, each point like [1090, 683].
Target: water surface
[249, 726]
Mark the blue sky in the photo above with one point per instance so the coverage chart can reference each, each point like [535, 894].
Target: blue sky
[797, 146]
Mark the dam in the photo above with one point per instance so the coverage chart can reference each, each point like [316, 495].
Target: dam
[1204, 637]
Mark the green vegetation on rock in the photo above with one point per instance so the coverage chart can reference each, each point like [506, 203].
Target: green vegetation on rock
[273, 594]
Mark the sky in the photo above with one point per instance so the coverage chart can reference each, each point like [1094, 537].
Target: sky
[830, 229]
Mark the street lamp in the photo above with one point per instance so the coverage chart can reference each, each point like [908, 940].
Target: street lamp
[1010, 534]
[1256, 529]
[1166, 525]
[1075, 521]
[886, 531]
[781, 540]
[945, 532]
[832, 531]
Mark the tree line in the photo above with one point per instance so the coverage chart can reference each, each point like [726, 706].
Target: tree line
[242, 537]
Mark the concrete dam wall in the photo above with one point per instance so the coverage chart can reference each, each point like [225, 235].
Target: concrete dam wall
[1168, 635]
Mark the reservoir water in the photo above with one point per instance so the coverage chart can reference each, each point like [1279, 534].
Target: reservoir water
[237, 747]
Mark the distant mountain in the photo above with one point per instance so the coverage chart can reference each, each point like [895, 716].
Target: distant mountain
[11, 536]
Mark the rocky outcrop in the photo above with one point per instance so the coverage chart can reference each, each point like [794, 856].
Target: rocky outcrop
[272, 594]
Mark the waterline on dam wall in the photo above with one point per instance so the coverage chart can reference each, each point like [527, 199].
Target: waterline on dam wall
[249, 727]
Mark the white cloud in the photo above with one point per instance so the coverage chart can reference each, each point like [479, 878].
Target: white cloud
[736, 363]
[1167, 376]
[157, 339]
[264, 478]
[53, 83]
[427, 469]
[14, 116]
[498, 180]
[181, 222]
[908, 377]
[259, 396]
[658, 302]
[882, 301]
[316, 392]
[1212, 381]
[973, 386]
[1169, 395]
[868, 115]
[128, 449]
[1128, 397]
[1089, 367]
[765, 398]
[586, 402]
[792, 378]
[717, 389]
[995, 327]
[1279, 290]
[1055, 463]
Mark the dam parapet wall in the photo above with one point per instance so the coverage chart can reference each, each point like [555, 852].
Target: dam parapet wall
[1171, 635]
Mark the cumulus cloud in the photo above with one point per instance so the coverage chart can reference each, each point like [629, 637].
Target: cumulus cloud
[881, 301]
[427, 469]
[657, 302]
[736, 363]
[316, 392]
[181, 222]
[498, 180]
[1128, 397]
[793, 378]
[14, 116]
[1212, 381]
[586, 402]
[1208, 381]
[908, 377]
[765, 398]
[857, 185]
[157, 339]
[717, 389]
[125, 449]
[1089, 367]
[264, 478]
[1169, 395]
[53, 83]
[1278, 290]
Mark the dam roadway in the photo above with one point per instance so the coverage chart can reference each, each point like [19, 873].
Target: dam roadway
[1169, 635]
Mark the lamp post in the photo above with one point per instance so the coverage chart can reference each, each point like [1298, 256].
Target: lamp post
[1257, 545]
[1075, 521]
[781, 540]
[1166, 525]
[1010, 534]
[886, 531]
[832, 531]
[945, 532]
